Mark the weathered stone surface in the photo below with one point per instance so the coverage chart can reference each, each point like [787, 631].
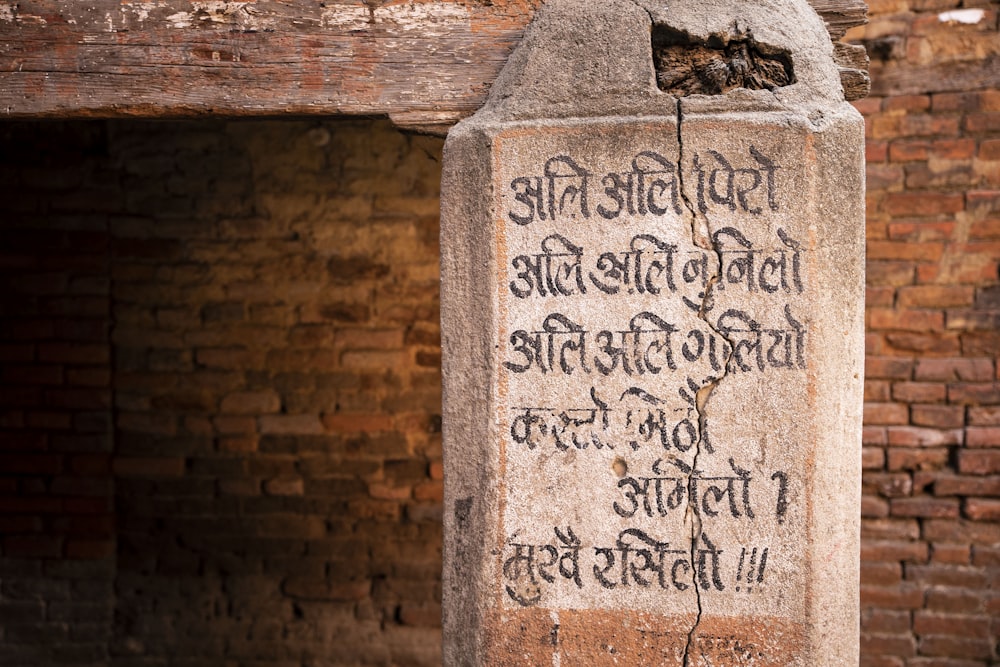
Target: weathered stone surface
[652, 339]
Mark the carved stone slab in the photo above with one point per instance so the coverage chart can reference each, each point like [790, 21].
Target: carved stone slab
[653, 333]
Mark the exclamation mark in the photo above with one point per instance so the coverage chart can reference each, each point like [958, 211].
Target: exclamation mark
[754, 570]
[739, 569]
[750, 567]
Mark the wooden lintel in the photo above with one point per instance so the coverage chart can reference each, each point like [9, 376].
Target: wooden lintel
[426, 64]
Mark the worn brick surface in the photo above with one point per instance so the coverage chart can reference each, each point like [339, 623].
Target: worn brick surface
[220, 368]
[931, 444]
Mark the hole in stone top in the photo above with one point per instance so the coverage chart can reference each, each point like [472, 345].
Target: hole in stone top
[619, 466]
[689, 66]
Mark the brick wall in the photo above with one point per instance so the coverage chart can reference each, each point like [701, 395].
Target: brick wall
[56, 529]
[931, 507]
[219, 373]
[262, 297]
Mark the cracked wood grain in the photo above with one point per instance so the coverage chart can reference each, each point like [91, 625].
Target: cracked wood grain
[424, 64]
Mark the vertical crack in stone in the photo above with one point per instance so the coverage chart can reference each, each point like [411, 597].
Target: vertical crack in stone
[700, 237]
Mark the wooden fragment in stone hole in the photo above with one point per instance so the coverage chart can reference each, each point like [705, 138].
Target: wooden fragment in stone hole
[652, 332]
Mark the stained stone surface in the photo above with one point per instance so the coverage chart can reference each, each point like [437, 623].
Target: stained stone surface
[653, 347]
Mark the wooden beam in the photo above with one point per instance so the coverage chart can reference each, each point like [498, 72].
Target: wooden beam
[424, 63]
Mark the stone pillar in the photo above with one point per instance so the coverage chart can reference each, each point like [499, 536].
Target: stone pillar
[652, 313]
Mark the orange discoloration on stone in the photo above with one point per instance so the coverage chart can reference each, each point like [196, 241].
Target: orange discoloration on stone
[599, 637]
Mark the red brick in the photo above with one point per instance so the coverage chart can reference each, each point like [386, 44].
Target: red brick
[879, 296]
[955, 600]
[985, 229]
[972, 319]
[74, 353]
[285, 486]
[893, 551]
[100, 505]
[227, 357]
[935, 296]
[885, 413]
[872, 458]
[924, 507]
[10, 525]
[954, 625]
[291, 425]
[89, 549]
[33, 546]
[899, 250]
[982, 436]
[955, 485]
[885, 621]
[30, 464]
[877, 391]
[950, 530]
[892, 597]
[929, 125]
[975, 394]
[243, 425]
[905, 150]
[979, 462]
[905, 320]
[251, 403]
[148, 467]
[903, 645]
[237, 445]
[988, 200]
[956, 647]
[907, 103]
[985, 416]
[919, 392]
[90, 464]
[873, 507]
[153, 423]
[892, 368]
[948, 575]
[868, 105]
[954, 149]
[954, 554]
[363, 359]
[382, 491]
[955, 369]
[35, 374]
[873, 435]
[888, 485]
[938, 416]
[987, 100]
[989, 149]
[876, 151]
[986, 556]
[370, 339]
[920, 231]
[869, 660]
[889, 273]
[983, 122]
[917, 459]
[358, 423]
[432, 490]
[982, 509]
[915, 436]
[926, 203]
[428, 616]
